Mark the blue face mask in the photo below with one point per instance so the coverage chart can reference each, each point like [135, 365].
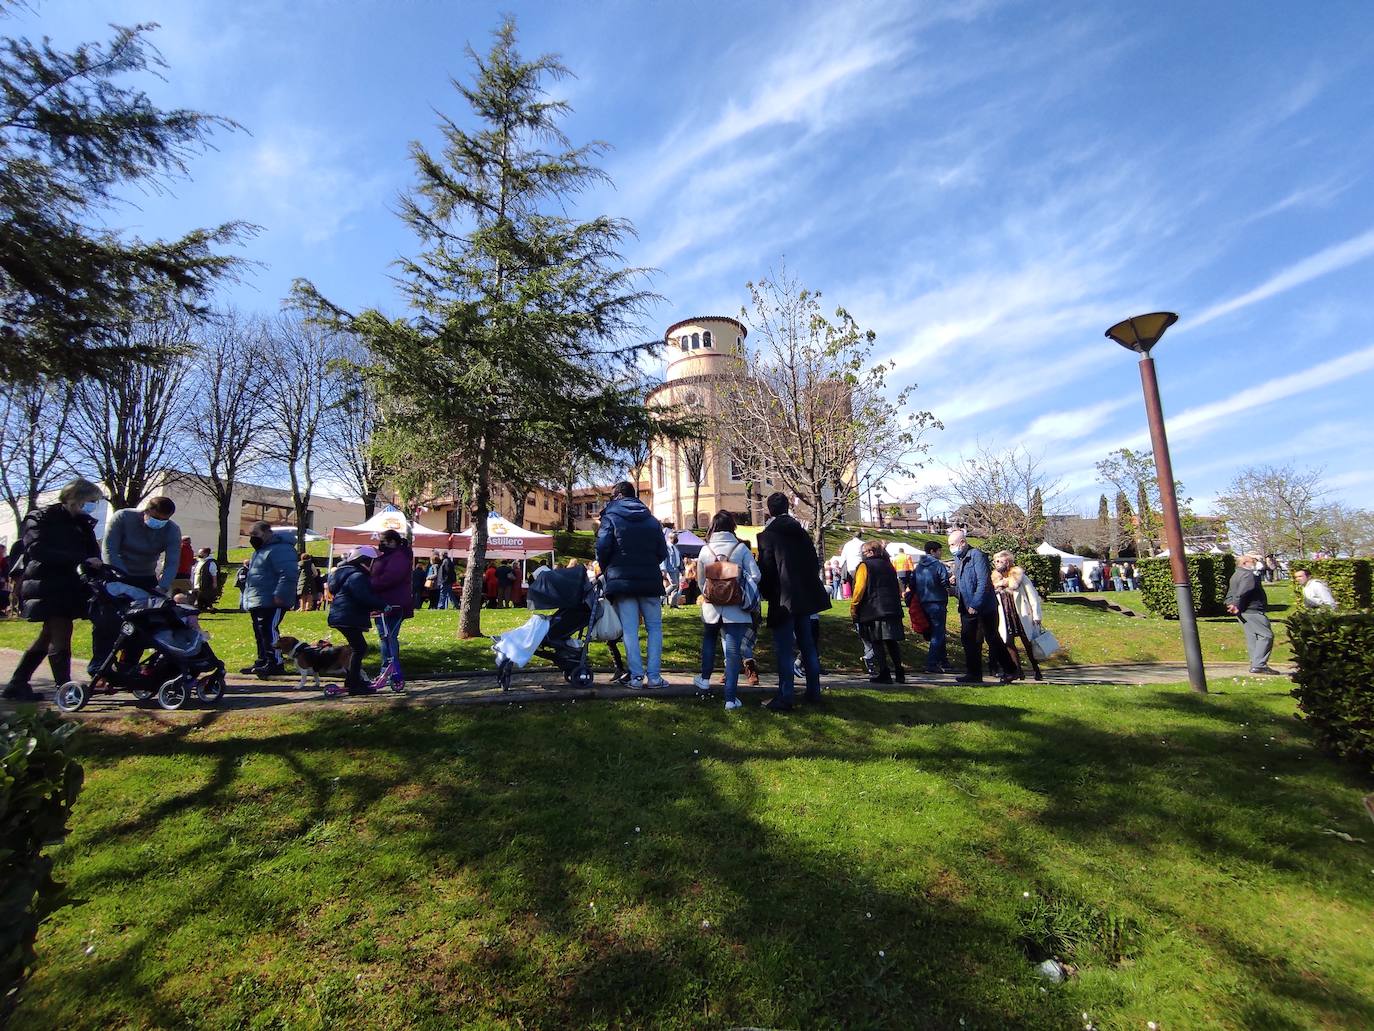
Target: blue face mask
[959, 549]
[90, 507]
[154, 523]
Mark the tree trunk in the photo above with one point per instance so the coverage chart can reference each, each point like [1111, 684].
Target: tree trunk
[520, 505]
[696, 503]
[470, 617]
[567, 500]
[369, 504]
[223, 499]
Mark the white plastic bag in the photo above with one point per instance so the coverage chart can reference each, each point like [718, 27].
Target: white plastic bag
[518, 645]
[607, 626]
[1044, 644]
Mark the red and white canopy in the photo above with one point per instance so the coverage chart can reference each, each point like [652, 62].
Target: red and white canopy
[368, 532]
[504, 540]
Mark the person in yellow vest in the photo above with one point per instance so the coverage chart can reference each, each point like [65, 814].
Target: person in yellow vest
[904, 565]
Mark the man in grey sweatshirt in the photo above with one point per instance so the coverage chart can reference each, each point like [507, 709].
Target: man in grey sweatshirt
[136, 538]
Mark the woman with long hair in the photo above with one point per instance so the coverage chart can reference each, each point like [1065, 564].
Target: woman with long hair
[1020, 615]
[729, 595]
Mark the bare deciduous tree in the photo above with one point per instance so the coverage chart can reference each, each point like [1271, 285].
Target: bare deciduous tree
[302, 399]
[33, 425]
[1348, 531]
[998, 490]
[348, 454]
[1275, 509]
[225, 425]
[814, 406]
[127, 428]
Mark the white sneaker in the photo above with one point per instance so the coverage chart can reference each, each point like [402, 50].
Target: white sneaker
[702, 684]
[736, 704]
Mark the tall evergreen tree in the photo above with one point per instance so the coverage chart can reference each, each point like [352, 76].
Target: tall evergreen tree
[1037, 515]
[71, 136]
[516, 307]
[1105, 537]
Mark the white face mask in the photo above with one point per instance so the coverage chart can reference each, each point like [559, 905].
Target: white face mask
[958, 549]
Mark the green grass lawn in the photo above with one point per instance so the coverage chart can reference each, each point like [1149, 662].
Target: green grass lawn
[898, 860]
[431, 646]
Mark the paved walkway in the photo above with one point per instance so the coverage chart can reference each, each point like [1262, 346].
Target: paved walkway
[281, 694]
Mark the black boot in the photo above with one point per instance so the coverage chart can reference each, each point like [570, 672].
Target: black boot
[60, 663]
[18, 689]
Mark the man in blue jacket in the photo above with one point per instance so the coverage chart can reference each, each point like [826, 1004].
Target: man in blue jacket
[268, 592]
[930, 581]
[972, 579]
[630, 547]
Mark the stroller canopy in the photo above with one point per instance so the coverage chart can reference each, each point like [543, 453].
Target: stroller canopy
[504, 540]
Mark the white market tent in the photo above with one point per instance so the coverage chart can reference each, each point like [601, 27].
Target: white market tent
[504, 540]
[422, 537]
[898, 548]
[1065, 558]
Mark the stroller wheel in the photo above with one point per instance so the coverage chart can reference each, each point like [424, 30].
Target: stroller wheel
[143, 693]
[210, 689]
[72, 696]
[172, 695]
[583, 676]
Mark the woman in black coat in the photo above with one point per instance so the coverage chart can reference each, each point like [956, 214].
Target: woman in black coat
[53, 543]
[876, 606]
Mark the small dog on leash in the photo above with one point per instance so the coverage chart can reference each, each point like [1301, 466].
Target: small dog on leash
[314, 659]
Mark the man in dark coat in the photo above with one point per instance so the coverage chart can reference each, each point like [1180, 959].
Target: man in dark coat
[448, 576]
[791, 584]
[1246, 600]
[629, 548]
[930, 582]
[978, 608]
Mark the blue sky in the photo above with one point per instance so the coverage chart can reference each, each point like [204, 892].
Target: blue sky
[989, 185]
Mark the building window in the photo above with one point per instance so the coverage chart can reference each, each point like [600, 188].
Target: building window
[739, 344]
[736, 470]
[706, 339]
[660, 478]
[451, 524]
[546, 503]
[696, 341]
[682, 342]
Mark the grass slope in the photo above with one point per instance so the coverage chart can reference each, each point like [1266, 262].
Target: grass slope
[896, 861]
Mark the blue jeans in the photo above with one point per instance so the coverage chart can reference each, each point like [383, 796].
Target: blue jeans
[795, 632]
[388, 632]
[446, 596]
[630, 611]
[734, 646]
[937, 612]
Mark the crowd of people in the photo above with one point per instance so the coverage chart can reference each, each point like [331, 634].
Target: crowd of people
[641, 568]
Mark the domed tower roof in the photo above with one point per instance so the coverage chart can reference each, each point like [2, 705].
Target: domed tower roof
[704, 345]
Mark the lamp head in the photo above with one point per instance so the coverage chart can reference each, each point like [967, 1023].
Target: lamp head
[1141, 332]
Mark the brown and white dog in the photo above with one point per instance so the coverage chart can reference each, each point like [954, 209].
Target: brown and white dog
[314, 659]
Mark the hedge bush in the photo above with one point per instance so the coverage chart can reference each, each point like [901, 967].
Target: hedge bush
[1210, 575]
[39, 783]
[1334, 653]
[1042, 569]
[1348, 578]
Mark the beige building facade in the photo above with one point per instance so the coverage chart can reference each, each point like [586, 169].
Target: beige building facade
[703, 352]
[198, 517]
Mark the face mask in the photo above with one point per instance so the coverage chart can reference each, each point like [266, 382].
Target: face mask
[154, 523]
[90, 507]
[256, 542]
[958, 549]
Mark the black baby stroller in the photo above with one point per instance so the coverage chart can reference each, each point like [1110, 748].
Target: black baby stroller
[565, 636]
[126, 621]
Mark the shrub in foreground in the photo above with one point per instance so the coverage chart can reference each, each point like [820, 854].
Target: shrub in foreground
[39, 783]
[1335, 658]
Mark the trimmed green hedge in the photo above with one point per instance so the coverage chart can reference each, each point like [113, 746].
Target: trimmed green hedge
[39, 783]
[1042, 569]
[1348, 578]
[1209, 574]
[1335, 658]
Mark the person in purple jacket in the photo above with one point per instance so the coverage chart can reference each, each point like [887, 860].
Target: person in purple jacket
[391, 583]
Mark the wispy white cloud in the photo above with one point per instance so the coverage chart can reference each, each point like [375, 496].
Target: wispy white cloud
[1324, 262]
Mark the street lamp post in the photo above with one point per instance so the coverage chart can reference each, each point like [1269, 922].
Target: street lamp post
[1139, 334]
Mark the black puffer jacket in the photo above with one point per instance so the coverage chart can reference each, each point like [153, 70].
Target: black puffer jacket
[791, 582]
[630, 545]
[54, 544]
[882, 596]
